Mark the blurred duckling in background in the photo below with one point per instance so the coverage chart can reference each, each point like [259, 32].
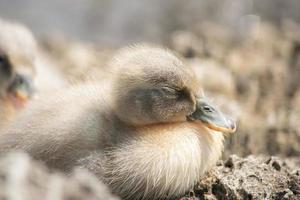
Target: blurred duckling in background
[24, 70]
[17, 69]
[148, 134]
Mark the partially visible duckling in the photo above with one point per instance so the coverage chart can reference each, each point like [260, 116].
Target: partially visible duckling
[148, 133]
[17, 69]
[23, 70]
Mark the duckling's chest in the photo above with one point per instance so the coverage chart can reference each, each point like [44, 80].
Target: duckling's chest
[183, 150]
[169, 162]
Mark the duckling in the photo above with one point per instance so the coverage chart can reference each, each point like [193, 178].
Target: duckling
[17, 69]
[25, 70]
[147, 132]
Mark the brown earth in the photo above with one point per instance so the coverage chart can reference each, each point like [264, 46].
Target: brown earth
[253, 177]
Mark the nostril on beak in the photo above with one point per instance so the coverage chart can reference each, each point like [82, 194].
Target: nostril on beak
[232, 124]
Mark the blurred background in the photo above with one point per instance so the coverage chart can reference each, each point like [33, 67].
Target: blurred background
[246, 52]
[122, 22]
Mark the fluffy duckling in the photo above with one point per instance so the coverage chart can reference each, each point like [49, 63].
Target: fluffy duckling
[17, 68]
[148, 133]
[24, 70]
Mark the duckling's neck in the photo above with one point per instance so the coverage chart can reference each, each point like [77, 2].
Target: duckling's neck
[168, 157]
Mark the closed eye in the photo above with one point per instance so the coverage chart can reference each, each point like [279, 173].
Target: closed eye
[170, 90]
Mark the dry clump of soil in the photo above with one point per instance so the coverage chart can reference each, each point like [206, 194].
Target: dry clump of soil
[253, 177]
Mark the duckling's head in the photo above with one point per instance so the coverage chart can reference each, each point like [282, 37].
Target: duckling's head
[17, 63]
[153, 86]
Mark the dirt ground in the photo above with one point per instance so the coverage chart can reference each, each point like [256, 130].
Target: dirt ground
[250, 178]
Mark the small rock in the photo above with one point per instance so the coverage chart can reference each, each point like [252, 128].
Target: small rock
[276, 165]
[252, 177]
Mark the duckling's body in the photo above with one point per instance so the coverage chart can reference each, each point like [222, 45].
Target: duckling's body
[165, 161]
[152, 152]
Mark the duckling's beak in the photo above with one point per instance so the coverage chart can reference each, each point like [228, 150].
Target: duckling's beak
[21, 90]
[212, 117]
